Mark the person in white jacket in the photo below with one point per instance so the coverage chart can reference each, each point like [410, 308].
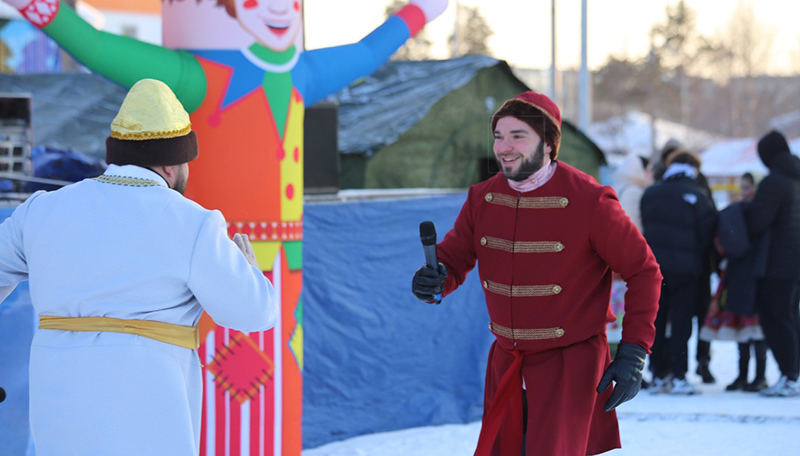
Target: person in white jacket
[120, 269]
[630, 181]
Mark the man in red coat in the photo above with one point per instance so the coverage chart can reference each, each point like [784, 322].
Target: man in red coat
[546, 238]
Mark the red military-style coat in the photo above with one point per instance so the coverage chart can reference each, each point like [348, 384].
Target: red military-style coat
[545, 259]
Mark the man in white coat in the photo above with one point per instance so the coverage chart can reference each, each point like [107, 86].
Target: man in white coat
[120, 269]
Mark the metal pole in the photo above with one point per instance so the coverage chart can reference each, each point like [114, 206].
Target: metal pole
[457, 32]
[583, 84]
[553, 51]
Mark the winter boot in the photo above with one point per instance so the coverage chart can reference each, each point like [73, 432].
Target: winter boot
[737, 385]
[704, 373]
[660, 385]
[784, 388]
[759, 384]
[682, 387]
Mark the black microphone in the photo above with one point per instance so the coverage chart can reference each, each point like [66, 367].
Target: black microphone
[2, 394]
[427, 234]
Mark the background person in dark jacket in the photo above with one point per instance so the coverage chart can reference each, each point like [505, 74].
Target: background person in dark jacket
[664, 159]
[679, 223]
[776, 207]
[733, 315]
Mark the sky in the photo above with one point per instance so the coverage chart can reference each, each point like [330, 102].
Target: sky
[522, 27]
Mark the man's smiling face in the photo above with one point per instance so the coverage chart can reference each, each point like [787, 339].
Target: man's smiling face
[518, 149]
[273, 23]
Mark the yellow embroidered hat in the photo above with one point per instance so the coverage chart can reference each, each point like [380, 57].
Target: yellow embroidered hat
[151, 128]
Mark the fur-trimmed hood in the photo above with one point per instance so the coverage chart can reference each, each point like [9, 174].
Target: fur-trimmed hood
[632, 172]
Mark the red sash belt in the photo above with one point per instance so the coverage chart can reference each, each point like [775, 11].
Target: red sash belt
[506, 404]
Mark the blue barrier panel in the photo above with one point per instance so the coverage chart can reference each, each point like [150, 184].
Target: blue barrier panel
[377, 359]
[17, 324]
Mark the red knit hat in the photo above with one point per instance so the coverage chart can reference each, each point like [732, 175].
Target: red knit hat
[528, 106]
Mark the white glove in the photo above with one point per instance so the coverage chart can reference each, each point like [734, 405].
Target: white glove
[431, 8]
[19, 4]
[243, 243]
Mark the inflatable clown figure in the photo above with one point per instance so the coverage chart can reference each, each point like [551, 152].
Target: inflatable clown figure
[239, 69]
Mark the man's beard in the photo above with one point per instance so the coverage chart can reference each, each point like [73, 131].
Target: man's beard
[527, 167]
[180, 182]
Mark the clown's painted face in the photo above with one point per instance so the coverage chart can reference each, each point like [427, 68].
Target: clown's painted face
[273, 23]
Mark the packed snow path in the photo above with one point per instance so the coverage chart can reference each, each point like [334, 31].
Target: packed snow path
[712, 423]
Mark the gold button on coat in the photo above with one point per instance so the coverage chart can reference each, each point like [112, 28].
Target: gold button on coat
[488, 197]
[556, 289]
[483, 240]
[559, 247]
[563, 202]
[485, 284]
[559, 332]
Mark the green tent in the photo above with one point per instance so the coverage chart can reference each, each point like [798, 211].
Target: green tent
[426, 124]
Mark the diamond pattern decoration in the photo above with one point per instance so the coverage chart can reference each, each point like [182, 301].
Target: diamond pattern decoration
[267, 230]
[41, 12]
[241, 368]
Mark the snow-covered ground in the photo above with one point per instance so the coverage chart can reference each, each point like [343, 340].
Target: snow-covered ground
[714, 422]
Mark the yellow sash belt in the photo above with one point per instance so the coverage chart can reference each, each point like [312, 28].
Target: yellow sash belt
[182, 336]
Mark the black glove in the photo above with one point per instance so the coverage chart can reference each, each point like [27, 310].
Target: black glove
[428, 283]
[626, 371]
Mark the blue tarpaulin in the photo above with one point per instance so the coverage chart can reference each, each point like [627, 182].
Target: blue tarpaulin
[17, 324]
[65, 165]
[375, 358]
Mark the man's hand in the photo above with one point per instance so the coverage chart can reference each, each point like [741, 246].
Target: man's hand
[626, 371]
[427, 283]
[243, 243]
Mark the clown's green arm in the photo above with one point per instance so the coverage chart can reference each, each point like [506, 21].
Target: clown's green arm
[125, 60]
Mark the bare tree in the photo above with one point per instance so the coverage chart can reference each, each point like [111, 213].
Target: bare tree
[472, 36]
[417, 48]
[749, 41]
[750, 44]
[675, 40]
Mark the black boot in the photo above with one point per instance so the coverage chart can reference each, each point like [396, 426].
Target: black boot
[704, 373]
[737, 385]
[758, 384]
[744, 363]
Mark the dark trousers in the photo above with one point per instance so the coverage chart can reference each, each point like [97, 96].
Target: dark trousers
[703, 302]
[777, 304]
[760, 349]
[677, 306]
